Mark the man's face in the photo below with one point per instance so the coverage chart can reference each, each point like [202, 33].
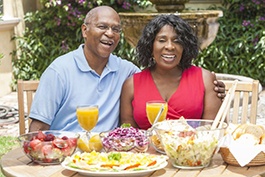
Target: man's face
[102, 34]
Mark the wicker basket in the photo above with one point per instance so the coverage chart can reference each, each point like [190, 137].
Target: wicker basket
[230, 159]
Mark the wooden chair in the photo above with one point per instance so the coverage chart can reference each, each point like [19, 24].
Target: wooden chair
[28, 88]
[245, 101]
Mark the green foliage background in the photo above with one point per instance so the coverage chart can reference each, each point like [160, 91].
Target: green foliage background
[55, 29]
[239, 47]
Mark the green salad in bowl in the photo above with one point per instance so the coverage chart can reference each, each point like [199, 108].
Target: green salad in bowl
[190, 144]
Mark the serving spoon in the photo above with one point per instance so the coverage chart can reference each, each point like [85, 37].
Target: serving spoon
[156, 119]
[158, 115]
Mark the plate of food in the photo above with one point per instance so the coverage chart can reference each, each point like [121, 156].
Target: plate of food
[114, 163]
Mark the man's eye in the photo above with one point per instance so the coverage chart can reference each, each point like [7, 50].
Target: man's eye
[116, 29]
[103, 27]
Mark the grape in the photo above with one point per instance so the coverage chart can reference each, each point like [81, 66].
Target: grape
[49, 137]
[65, 138]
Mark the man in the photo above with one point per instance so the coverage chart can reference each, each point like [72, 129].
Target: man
[87, 75]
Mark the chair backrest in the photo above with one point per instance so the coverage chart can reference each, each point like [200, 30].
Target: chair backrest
[28, 88]
[245, 102]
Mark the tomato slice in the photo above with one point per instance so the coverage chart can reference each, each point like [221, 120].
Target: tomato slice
[60, 143]
[152, 163]
[109, 165]
[132, 166]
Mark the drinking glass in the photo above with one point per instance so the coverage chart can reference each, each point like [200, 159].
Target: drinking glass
[152, 109]
[87, 116]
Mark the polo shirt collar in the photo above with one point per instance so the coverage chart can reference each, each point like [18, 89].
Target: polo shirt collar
[80, 59]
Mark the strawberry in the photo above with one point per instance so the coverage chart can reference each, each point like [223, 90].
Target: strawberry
[35, 144]
[41, 136]
[46, 149]
[26, 147]
[72, 142]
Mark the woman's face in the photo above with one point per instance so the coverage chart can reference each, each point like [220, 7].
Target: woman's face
[167, 52]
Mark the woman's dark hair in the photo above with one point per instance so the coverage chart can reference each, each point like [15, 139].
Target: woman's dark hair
[186, 37]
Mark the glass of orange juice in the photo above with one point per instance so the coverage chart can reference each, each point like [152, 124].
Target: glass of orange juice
[152, 109]
[87, 117]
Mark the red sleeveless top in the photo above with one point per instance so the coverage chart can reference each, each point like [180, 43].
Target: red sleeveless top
[187, 101]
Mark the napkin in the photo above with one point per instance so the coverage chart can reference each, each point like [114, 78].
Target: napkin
[243, 152]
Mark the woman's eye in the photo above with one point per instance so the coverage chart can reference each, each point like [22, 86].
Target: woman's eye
[177, 41]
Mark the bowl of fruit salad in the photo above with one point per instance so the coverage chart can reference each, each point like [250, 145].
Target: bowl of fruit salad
[189, 143]
[49, 147]
[125, 139]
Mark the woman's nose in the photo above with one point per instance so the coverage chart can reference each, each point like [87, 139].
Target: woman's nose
[170, 46]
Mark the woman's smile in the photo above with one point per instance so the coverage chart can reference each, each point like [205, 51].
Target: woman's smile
[168, 58]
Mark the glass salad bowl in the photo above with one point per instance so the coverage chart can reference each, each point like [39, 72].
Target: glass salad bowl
[189, 144]
[49, 147]
[125, 139]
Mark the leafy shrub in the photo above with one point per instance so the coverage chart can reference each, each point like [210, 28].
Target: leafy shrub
[1, 56]
[239, 47]
[1, 9]
[55, 30]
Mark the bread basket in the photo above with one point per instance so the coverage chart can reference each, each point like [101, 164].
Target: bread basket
[230, 159]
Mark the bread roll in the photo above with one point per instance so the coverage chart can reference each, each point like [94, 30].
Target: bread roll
[248, 139]
[262, 139]
[240, 130]
[257, 131]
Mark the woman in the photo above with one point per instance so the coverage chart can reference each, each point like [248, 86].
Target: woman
[165, 51]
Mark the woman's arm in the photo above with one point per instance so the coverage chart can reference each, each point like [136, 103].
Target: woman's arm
[212, 103]
[126, 109]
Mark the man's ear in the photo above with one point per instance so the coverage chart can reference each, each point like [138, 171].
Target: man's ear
[84, 29]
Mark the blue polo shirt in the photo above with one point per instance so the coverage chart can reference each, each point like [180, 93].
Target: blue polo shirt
[69, 81]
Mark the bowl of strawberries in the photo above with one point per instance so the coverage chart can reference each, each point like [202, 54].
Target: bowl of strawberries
[49, 147]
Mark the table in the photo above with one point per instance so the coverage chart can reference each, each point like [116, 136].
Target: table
[16, 163]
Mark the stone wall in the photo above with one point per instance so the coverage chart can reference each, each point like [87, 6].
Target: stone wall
[6, 47]
[11, 24]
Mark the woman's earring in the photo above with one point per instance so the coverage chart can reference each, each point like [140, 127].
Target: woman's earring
[152, 61]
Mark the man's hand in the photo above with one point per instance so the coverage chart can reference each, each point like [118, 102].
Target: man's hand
[219, 88]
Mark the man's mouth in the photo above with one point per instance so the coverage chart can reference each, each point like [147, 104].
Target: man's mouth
[107, 42]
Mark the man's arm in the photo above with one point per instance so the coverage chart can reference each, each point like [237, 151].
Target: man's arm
[37, 125]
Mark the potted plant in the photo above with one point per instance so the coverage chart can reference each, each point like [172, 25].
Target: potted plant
[169, 5]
